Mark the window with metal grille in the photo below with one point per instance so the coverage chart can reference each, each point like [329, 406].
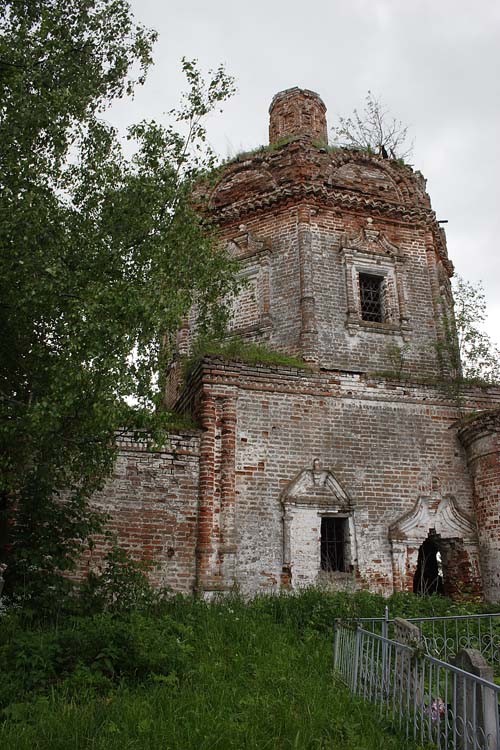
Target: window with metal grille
[370, 292]
[333, 544]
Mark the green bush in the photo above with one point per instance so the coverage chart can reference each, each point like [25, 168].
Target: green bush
[317, 609]
[120, 586]
[95, 652]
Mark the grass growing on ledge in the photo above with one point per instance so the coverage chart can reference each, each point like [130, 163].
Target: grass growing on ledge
[448, 383]
[246, 154]
[153, 428]
[243, 351]
[174, 422]
[269, 148]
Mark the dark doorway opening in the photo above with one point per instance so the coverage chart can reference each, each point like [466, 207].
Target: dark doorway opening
[428, 578]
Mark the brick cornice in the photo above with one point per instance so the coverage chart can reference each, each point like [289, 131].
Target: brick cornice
[323, 196]
[478, 426]
[215, 372]
[285, 175]
[267, 174]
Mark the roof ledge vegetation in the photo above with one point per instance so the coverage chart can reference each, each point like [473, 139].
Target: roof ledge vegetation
[236, 349]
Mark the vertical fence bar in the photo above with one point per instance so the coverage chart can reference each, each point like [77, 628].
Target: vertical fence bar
[336, 636]
[356, 661]
[446, 711]
[429, 701]
[474, 716]
[370, 679]
[454, 709]
[414, 695]
[464, 714]
[497, 723]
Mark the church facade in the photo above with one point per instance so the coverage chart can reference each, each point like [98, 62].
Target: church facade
[364, 468]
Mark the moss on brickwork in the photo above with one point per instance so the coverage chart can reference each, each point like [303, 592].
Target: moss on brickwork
[179, 422]
[243, 351]
[448, 383]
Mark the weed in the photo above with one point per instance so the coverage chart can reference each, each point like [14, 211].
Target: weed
[243, 351]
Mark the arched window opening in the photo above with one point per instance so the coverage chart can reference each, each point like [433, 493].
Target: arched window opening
[428, 578]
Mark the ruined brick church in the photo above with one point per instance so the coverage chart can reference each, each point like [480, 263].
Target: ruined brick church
[361, 469]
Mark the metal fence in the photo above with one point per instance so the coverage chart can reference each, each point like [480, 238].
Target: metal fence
[444, 637]
[431, 701]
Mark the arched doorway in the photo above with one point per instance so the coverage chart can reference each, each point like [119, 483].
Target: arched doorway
[434, 549]
[429, 574]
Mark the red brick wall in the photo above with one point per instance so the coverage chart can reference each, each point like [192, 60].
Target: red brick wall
[152, 500]
[386, 444]
[481, 437]
[305, 222]
[297, 113]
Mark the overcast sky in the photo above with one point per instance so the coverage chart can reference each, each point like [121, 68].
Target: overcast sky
[434, 63]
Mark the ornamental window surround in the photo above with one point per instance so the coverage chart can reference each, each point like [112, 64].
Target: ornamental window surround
[319, 538]
[375, 294]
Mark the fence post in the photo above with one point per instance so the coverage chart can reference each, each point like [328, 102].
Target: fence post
[477, 705]
[336, 637]
[410, 682]
[357, 649]
[385, 635]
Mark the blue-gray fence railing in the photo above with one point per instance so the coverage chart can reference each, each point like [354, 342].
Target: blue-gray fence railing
[445, 636]
[430, 700]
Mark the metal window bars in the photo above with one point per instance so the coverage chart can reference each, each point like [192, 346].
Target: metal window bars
[333, 544]
[370, 293]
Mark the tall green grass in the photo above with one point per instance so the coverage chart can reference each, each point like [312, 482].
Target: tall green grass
[191, 675]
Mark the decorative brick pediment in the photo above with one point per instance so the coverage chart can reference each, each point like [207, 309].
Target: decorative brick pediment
[240, 181]
[369, 177]
[246, 245]
[441, 515]
[317, 487]
[370, 240]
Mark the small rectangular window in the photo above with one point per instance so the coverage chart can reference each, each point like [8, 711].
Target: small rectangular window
[333, 544]
[371, 293]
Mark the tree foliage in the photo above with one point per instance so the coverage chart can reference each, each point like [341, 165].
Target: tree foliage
[373, 130]
[100, 258]
[478, 354]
